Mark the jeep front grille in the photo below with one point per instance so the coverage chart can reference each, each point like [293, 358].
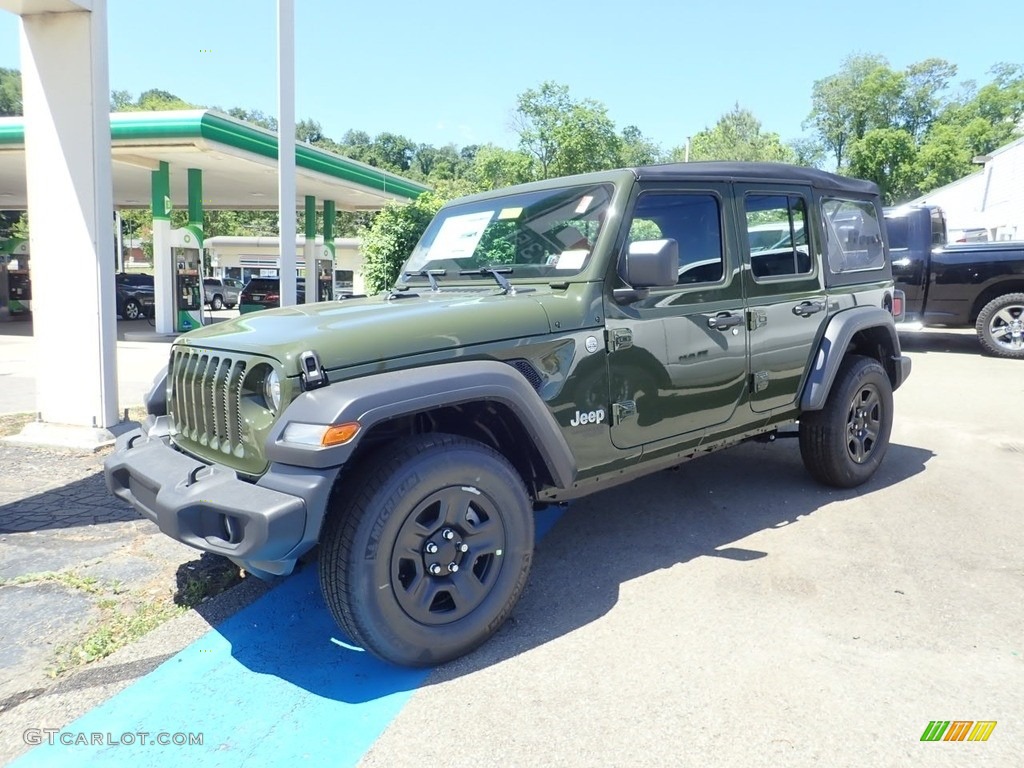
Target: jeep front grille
[205, 400]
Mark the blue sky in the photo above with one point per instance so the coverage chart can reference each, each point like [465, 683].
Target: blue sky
[450, 71]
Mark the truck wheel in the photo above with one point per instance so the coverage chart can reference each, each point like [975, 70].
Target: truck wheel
[428, 550]
[131, 310]
[1001, 326]
[217, 303]
[843, 443]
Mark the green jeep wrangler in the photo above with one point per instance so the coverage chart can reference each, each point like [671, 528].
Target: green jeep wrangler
[544, 341]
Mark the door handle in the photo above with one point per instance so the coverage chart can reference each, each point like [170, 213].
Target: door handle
[808, 308]
[724, 321]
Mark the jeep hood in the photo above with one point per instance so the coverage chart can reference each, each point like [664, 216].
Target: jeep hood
[355, 332]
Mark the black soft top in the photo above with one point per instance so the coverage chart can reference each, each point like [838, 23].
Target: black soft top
[715, 170]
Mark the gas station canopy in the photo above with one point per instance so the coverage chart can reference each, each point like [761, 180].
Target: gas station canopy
[238, 161]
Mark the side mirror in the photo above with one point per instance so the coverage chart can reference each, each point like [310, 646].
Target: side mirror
[648, 264]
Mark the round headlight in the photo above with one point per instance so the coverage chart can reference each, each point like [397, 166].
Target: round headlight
[272, 390]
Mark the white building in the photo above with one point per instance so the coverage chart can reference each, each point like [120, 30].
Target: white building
[991, 199]
[245, 257]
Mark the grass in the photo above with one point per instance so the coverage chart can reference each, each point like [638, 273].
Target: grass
[116, 629]
[13, 423]
[125, 617]
[70, 579]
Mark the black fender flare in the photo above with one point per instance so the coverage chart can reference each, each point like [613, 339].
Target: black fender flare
[832, 349]
[370, 400]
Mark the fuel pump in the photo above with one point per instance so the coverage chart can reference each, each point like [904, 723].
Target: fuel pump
[324, 279]
[186, 249]
[15, 283]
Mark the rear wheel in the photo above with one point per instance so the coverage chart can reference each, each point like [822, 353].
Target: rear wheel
[427, 553]
[1000, 326]
[217, 303]
[131, 310]
[844, 443]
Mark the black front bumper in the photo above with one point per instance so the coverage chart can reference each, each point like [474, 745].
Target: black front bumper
[210, 507]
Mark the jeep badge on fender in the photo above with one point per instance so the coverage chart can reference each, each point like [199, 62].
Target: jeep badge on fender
[437, 426]
[593, 417]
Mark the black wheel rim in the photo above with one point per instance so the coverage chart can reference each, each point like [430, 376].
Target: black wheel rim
[864, 423]
[1007, 327]
[447, 555]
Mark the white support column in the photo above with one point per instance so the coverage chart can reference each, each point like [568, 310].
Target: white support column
[309, 250]
[286, 147]
[66, 97]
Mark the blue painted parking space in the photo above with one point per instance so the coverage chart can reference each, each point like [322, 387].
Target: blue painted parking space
[275, 684]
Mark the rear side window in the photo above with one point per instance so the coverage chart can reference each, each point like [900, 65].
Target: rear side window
[853, 237]
[777, 234]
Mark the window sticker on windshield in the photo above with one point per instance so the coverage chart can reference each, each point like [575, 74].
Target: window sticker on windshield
[510, 213]
[459, 235]
[572, 259]
[584, 203]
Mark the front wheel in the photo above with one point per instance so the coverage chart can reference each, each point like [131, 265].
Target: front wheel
[427, 551]
[843, 444]
[1000, 326]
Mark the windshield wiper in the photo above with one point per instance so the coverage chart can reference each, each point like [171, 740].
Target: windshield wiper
[429, 274]
[498, 273]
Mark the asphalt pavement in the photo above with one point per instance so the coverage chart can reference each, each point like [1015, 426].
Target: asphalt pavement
[731, 612]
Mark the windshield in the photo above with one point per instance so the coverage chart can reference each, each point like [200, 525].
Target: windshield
[550, 233]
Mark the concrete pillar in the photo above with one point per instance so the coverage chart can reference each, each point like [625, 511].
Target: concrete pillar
[164, 268]
[309, 249]
[66, 98]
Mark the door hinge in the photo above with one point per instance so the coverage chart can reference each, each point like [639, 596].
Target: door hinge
[619, 339]
[759, 381]
[757, 318]
[622, 411]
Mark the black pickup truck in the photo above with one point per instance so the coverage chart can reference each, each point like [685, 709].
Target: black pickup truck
[961, 285]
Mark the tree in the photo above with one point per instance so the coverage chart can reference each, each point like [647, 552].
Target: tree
[121, 101]
[390, 239]
[10, 92]
[637, 149]
[921, 101]
[495, 167]
[564, 136]
[943, 158]
[156, 100]
[309, 131]
[886, 156]
[863, 95]
[736, 136]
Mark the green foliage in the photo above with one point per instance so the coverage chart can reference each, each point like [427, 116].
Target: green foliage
[494, 167]
[736, 136]
[10, 92]
[390, 239]
[886, 156]
[904, 129]
[564, 136]
[637, 149]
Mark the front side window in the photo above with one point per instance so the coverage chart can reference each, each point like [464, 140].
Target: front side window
[532, 234]
[694, 221]
[777, 234]
[853, 237]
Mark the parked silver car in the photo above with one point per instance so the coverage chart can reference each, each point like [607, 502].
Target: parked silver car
[221, 292]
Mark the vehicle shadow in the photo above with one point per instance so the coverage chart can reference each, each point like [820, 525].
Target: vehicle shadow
[83, 502]
[602, 542]
[932, 340]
